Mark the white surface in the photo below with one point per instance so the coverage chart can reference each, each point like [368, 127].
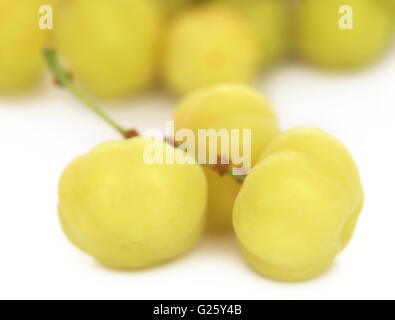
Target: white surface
[40, 134]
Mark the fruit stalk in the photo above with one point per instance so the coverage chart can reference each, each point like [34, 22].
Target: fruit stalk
[64, 78]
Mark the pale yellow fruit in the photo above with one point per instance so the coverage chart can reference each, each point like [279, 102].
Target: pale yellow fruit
[127, 213]
[269, 22]
[227, 107]
[206, 46]
[322, 39]
[111, 46]
[299, 205]
[21, 43]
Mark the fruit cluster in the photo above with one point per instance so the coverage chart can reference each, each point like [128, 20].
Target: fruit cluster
[119, 48]
[294, 212]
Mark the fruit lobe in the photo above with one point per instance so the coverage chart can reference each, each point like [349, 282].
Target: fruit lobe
[227, 107]
[299, 206]
[129, 214]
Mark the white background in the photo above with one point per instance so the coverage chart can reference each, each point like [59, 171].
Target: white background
[42, 132]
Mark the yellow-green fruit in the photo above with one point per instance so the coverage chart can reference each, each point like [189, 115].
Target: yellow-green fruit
[128, 213]
[299, 205]
[111, 46]
[269, 22]
[21, 42]
[206, 46]
[227, 107]
[342, 33]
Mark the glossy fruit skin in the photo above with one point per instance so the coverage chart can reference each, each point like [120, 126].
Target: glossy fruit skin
[206, 46]
[111, 46]
[269, 20]
[227, 107]
[321, 41]
[129, 214]
[299, 205]
[21, 43]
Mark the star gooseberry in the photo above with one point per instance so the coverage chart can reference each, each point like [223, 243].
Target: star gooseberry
[21, 43]
[129, 214]
[111, 46]
[334, 38]
[299, 205]
[227, 107]
[205, 46]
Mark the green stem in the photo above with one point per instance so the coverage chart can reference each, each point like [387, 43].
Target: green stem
[64, 78]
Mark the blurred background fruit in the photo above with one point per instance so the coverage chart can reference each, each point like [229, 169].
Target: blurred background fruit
[321, 41]
[21, 43]
[110, 46]
[269, 20]
[118, 48]
[207, 46]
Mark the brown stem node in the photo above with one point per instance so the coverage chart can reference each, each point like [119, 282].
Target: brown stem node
[222, 166]
[131, 133]
[59, 84]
